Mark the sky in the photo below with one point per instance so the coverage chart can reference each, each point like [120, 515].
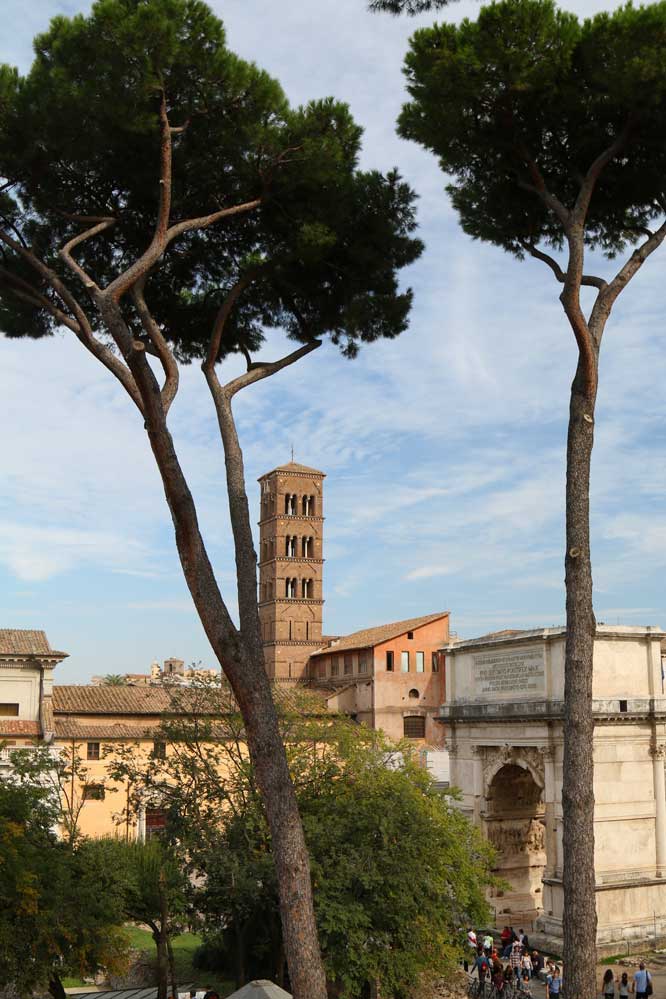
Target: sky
[443, 449]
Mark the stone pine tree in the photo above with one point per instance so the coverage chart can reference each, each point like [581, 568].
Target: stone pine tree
[553, 133]
[162, 202]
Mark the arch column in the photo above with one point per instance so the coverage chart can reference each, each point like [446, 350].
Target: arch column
[658, 752]
[548, 754]
[477, 780]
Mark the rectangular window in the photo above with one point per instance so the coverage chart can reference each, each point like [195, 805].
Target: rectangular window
[435, 662]
[420, 662]
[410, 634]
[93, 792]
[335, 665]
[9, 710]
[159, 750]
[389, 662]
[93, 751]
[414, 728]
[363, 662]
[404, 662]
[349, 667]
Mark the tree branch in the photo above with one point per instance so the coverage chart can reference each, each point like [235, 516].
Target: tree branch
[84, 331]
[66, 251]
[592, 176]
[586, 279]
[164, 352]
[265, 370]
[223, 314]
[608, 295]
[538, 186]
[23, 290]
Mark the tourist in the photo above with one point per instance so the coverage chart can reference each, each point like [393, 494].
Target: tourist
[471, 942]
[508, 976]
[515, 961]
[608, 984]
[624, 985]
[488, 943]
[526, 964]
[642, 979]
[525, 985]
[537, 963]
[481, 965]
[498, 974]
[554, 984]
[505, 937]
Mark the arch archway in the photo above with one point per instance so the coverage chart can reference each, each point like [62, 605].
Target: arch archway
[515, 827]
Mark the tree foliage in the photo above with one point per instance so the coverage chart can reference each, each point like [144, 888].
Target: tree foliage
[61, 908]
[80, 137]
[527, 96]
[396, 867]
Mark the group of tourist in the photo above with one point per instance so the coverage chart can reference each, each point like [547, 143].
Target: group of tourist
[522, 963]
[641, 984]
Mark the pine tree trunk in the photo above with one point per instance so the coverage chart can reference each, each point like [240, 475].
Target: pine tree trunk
[240, 655]
[580, 918]
[162, 966]
[247, 675]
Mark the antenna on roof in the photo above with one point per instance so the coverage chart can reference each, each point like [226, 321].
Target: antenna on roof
[292, 452]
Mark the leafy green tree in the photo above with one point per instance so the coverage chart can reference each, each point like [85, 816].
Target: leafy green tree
[397, 869]
[59, 775]
[61, 908]
[156, 893]
[553, 131]
[163, 203]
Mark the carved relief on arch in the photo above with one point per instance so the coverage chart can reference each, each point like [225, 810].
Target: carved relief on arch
[528, 757]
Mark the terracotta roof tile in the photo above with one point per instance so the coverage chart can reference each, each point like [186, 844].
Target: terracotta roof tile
[20, 642]
[80, 699]
[382, 633]
[66, 728]
[18, 726]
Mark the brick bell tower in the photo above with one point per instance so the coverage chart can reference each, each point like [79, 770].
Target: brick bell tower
[291, 568]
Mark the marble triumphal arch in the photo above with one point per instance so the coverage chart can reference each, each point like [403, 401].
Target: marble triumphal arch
[503, 719]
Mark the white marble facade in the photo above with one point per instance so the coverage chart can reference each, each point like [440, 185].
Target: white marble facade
[503, 718]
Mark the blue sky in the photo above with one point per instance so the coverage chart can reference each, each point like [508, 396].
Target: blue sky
[444, 450]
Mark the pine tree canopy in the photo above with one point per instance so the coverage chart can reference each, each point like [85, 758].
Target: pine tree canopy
[527, 97]
[80, 141]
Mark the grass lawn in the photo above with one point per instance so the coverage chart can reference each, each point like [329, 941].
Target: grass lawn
[184, 947]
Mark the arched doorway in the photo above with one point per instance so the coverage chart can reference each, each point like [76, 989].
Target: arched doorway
[515, 827]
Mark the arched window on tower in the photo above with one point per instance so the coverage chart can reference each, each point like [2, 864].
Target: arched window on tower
[307, 547]
[290, 546]
[290, 587]
[290, 504]
[306, 587]
[308, 506]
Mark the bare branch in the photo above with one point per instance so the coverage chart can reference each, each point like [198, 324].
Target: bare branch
[265, 370]
[608, 295]
[162, 349]
[21, 289]
[84, 330]
[66, 251]
[586, 279]
[224, 313]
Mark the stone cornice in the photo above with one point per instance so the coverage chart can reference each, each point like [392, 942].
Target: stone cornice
[290, 516]
[294, 559]
[289, 600]
[603, 711]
